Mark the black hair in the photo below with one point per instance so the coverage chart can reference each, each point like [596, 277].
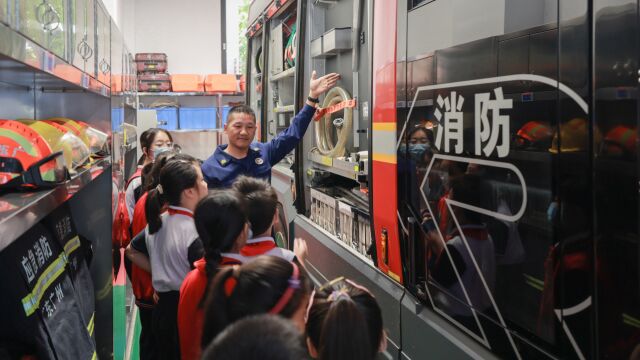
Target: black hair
[175, 177]
[428, 133]
[261, 337]
[146, 140]
[468, 189]
[220, 218]
[241, 109]
[259, 285]
[151, 177]
[262, 202]
[349, 327]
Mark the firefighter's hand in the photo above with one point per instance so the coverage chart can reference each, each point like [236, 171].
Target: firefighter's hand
[300, 249]
[318, 86]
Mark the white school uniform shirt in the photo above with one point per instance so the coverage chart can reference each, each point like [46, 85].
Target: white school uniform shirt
[265, 246]
[169, 249]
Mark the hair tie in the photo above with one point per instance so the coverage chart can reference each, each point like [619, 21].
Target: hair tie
[231, 282]
[159, 189]
[293, 284]
[338, 295]
[230, 285]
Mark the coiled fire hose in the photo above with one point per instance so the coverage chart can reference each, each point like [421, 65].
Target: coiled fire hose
[290, 49]
[259, 62]
[325, 142]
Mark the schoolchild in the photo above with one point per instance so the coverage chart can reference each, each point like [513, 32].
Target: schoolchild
[263, 337]
[262, 205]
[344, 321]
[141, 279]
[463, 252]
[221, 221]
[153, 142]
[170, 245]
[265, 285]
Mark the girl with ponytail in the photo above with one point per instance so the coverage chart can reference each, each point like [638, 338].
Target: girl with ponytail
[344, 322]
[170, 245]
[266, 285]
[221, 221]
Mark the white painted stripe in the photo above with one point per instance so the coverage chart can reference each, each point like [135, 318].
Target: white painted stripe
[489, 163]
[499, 79]
[482, 279]
[574, 309]
[384, 141]
[484, 339]
[487, 212]
[567, 331]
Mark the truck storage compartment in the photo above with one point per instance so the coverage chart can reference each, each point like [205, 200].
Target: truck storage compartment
[154, 82]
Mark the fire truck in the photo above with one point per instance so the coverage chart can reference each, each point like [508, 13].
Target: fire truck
[476, 167]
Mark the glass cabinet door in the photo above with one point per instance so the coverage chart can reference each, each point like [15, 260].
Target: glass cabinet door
[104, 44]
[56, 27]
[4, 11]
[33, 15]
[83, 36]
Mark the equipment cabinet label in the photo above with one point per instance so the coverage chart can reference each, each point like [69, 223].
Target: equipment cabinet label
[48, 62]
[85, 81]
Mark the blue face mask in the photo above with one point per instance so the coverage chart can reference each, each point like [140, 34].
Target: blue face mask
[159, 150]
[417, 150]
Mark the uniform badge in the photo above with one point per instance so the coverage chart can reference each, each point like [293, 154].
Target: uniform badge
[223, 162]
[259, 161]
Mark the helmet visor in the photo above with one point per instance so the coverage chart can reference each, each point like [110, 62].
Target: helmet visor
[51, 170]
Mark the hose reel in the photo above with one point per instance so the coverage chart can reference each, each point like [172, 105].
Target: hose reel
[325, 142]
[290, 49]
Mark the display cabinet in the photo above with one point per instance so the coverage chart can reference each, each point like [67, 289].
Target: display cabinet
[83, 36]
[50, 76]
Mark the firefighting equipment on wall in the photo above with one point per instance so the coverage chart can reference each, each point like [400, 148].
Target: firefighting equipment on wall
[326, 144]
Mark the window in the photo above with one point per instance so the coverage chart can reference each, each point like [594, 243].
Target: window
[495, 208]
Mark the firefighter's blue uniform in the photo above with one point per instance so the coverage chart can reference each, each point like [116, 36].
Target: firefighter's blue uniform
[221, 169]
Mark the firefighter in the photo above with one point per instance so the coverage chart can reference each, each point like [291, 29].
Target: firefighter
[243, 157]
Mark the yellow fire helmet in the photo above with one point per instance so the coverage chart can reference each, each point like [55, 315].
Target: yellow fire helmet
[76, 152]
[574, 136]
[621, 140]
[95, 139]
[75, 127]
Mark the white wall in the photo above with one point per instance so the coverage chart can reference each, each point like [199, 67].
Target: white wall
[188, 31]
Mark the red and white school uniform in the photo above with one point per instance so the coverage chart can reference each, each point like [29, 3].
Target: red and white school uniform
[190, 313]
[265, 246]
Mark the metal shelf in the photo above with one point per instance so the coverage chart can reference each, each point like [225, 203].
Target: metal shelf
[344, 168]
[284, 109]
[335, 240]
[535, 156]
[179, 94]
[28, 208]
[283, 75]
[57, 74]
[617, 93]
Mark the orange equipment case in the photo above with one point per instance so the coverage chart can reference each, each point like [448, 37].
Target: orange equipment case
[221, 83]
[187, 83]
